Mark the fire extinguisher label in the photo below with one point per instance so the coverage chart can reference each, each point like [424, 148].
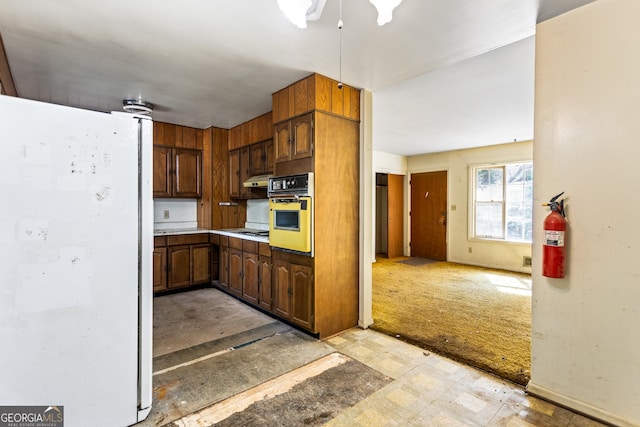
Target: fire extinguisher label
[553, 238]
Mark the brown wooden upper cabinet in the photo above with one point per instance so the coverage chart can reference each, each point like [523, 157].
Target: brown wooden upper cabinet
[239, 161]
[177, 172]
[177, 161]
[316, 92]
[255, 130]
[261, 158]
[293, 139]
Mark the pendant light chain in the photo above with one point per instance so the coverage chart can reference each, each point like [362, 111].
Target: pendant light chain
[340, 25]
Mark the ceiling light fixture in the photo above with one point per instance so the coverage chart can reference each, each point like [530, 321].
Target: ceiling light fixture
[385, 9]
[340, 25]
[137, 106]
[301, 11]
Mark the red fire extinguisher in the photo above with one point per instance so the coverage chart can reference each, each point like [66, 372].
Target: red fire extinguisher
[553, 249]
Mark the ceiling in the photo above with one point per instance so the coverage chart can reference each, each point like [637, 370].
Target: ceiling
[444, 74]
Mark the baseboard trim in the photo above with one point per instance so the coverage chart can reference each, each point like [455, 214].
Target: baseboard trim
[577, 406]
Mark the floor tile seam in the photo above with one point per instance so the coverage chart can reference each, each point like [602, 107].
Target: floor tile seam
[176, 354]
[218, 353]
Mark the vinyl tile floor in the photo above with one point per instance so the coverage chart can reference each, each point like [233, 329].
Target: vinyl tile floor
[430, 390]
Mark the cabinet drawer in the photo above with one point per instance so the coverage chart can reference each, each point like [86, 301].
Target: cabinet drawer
[187, 239]
[224, 240]
[235, 243]
[214, 239]
[264, 249]
[159, 242]
[250, 246]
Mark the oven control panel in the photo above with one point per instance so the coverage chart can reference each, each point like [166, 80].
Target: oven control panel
[301, 184]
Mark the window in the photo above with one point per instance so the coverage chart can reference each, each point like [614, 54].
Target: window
[502, 202]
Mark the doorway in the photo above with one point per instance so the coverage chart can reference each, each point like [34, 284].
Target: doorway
[429, 215]
[389, 214]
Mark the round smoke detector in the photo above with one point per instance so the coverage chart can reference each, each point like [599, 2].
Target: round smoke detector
[137, 106]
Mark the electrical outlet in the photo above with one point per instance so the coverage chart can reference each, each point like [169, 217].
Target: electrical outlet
[470, 249]
[453, 207]
[526, 261]
[165, 214]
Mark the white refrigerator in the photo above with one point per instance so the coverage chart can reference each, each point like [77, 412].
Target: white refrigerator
[76, 243]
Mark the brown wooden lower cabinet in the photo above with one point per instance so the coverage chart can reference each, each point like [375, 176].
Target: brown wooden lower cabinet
[302, 296]
[200, 263]
[293, 289]
[250, 273]
[180, 261]
[281, 289]
[223, 276]
[159, 269]
[278, 282]
[235, 271]
[179, 266]
[265, 283]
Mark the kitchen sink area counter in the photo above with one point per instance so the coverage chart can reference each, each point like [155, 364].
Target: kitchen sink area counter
[178, 231]
[256, 235]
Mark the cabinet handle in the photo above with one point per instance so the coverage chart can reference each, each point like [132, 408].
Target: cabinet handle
[290, 292]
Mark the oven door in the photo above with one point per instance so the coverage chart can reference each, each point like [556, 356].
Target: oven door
[290, 223]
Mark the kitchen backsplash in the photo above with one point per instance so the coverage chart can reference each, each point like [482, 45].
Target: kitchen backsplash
[171, 214]
[258, 214]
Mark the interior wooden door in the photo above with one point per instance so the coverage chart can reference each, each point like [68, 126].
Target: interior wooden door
[395, 203]
[429, 215]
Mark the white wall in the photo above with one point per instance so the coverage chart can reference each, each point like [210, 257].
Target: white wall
[502, 255]
[182, 213]
[586, 327]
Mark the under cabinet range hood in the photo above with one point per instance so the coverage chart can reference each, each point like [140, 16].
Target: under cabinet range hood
[257, 181]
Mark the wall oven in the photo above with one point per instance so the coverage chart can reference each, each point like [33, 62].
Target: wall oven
[291, 212]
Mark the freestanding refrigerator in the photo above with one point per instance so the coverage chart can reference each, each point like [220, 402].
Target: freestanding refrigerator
[76, 242]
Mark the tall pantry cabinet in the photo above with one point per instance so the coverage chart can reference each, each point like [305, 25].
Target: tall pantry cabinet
[317, 129]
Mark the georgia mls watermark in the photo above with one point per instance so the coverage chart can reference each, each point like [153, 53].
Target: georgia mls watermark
[31, 416]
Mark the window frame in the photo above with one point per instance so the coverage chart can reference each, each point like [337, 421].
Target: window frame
[472, 236]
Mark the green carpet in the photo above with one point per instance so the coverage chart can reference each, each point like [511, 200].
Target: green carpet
[475, 315]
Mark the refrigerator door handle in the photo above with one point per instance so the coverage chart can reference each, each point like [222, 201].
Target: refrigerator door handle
[145, 331]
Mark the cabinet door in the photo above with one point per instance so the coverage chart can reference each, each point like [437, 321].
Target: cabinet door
[281, 142]
[268, 156]
[200, 264]
[234, 174]
[250, 277]
[302, 130]
[214, 256]
[159, 269]
[235, 271]
[245, 193]
[256, 159]
[179, 266]
[264, 283]
[224, 267]
[188, 173]
[162, 162]
[302, 304]
[282, 289]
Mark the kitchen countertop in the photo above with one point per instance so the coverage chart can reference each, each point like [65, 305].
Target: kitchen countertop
[231, 232]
